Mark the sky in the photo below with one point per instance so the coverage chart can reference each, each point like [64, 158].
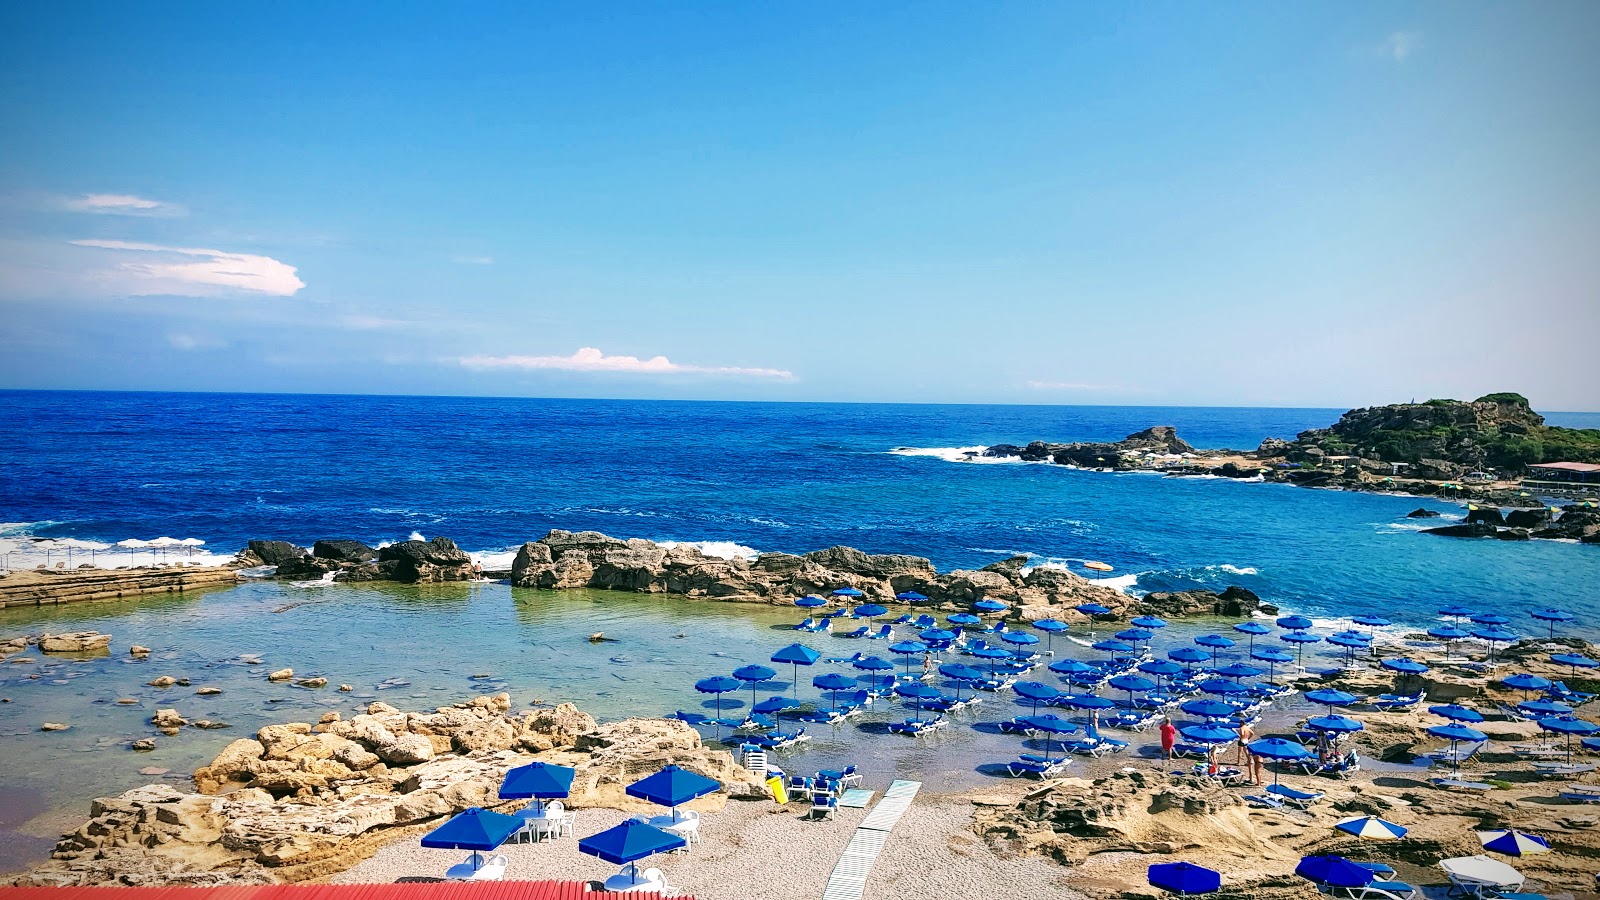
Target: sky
[1315, 204]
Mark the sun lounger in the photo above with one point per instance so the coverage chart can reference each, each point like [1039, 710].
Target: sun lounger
[824, 716]
[859, 632]
[1581, 795]
[1561, 770]
[903, 620]
[995, 684]
[1538, 750]
[1392, 702]
[1017, 725]
[779, 740]
[925, 621]
[757, 722]
[492, 869]
[1266, 801]
[691, 718]
[820, 626]
[1377, 890]
[1463, 752]
[1342, 767]
[845, 777]
[1133, 721]
[806, 625]
[881, 634]
[1302, 799]
[1560, 691]
[1036, 766]
[631, 880]
[1462, 785]
[916, 727]
[1107, 745]
[1227, 776]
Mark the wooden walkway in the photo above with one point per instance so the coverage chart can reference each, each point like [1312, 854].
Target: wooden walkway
[849, 878]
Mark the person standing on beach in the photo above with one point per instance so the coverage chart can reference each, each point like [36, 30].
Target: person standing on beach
[927, 665]
[1246, 735]
[1169, 737]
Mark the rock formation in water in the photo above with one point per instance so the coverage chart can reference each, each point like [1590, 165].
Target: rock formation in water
[589, 559]
[437, 560]
[1159, 439]
[302, 801]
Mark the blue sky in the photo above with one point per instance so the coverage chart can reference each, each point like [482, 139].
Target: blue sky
[1327, 204]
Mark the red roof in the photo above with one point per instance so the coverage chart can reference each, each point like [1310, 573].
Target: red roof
[431, 890]
[1569, 467]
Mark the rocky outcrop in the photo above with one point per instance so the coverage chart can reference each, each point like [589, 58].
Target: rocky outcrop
[588, 559]
[1422, 513]
[1235, 602]
[302, 801]
[343, 551]
[75, 642]
[437, 560]
[428, 561]
[1160, 439]
[275, 553]
[48, 587]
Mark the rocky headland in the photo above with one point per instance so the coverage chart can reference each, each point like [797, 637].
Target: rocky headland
[304, 800]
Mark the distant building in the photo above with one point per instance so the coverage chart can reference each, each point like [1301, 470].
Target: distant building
[1564, 478]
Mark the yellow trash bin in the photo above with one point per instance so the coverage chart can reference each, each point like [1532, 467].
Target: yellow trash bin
[779, 793]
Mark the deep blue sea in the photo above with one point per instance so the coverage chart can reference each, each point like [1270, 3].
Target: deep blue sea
[81, 472]
[491, 473]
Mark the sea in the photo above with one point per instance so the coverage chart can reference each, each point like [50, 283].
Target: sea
[117, 479]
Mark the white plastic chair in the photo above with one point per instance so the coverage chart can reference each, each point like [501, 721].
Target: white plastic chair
[493, 870]
[569, 822]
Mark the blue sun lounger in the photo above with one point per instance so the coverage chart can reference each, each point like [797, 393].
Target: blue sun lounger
[903, 620]
[916, 727]
[1392, 702]
[825, 715]
[859, 632]
[881, 634]
[778, 740]
[1036, 766]
[1581, 795]
[1302, 799]
[806, 625]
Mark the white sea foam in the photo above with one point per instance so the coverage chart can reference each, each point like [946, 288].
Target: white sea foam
[324, 581]
[718, 549]
[973, 454]
[494, 560]
[1236, 570]
[1123, 583]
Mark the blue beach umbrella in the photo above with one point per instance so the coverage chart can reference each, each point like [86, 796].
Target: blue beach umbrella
[1371, 828]
[672, 787]
[1569, 726]
[1330, 698]
[961, 674]
[1457, 611]
[1494, 635]
[848, 592]
[1272, 656]
[1348, 644]
[1334, 872]
[630, 842]
[963, 619]
[1295, 623]
[1132, 684]
[1160, 668]
[1449, 634]
[993, 655]
[1020, 638]
[1456, 733]
[1208, 709]
[1035, 691]
[1372, 621]
[1209, 733]
[937, 635]
[753, 675]
[1359, 636]
[1085, 702]
[774, 705]
[1151, 622]
[1300, 639]
[1183, 878]
[1222, 687]
[1456, 713]
[1334, 724]
[990, 606]
[1112, 647]
[1252, 630]
[1051, 628]
[1545, 708]
[810, 601]
[1404, 665]
[908, 649]
[537, 781]
[874, 665]
[1278, 749]
[911, 597]
[1187, 656]
[869, 611]
[1552, 616]
[1575, 661]
[474, 829]
[1092, 609]
[833, 683]
[1513, 843]
[1238, 670]
[1216, 642]
[796, 655]
[1049, 724]
[1489, 618]
[1525, 682]
[719, 685]
[1135, 635]
[1071, 667]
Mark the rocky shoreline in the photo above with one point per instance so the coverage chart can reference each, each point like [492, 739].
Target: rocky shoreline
[47, 587]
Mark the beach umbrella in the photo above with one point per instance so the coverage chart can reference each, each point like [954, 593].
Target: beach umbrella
[672, 787]
[1489, 618]
[908, 649]
[1371, 827]
[870, 611]
[1494, 635]
[1404, 665]
[537, 781]
[1481, 870]
[1183, 878]
[937, 635]
[1112, 647]
[630, 842]
[911, 597]
[810, 601]
[1209, 733]
[1456, 733]
[1449, 634]
[1132, 684]
[1035, 691]
[1085, 702]
[1051, 628]
[833, 683]
[1525, 682]
[1151, 622]
[1278, 749]
[990, 606]
[1092, 610]
[1071, 667]
[848, 592]
[754, 675]
[1334, 724]
[919, 693]
[1300, 639]
[962, 674]
[1295, 623]
[1216, 642]
[1238, 670]
[1049, 723]
[1334, 872]
[1208, 709]
[796, 655]
[1575, 661]
[874, 665]
[1253, 630]
[1457, 713]
[993, 655]
[1348, 644]
[1513, 843]
[1135, 635]
[1552, 616]
[719, 685]
[963, 619]
[1457, 612]
[1358, 636]
[1569, 726]
[1544, 708]
[1272, 656]
[1020, 638]
[1330, 698]
[1187, 656]
[474, 829]
[1160, 668]
[1223, 687]
[1373, 622]
[774, 705]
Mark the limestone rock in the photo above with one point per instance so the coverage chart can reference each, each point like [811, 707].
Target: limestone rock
[316, 682]
[143, 745]
[138, 652]
[343, 551]
[276, 553]
[281, 675]
[74, 642]
[54, 726]
[208, 691]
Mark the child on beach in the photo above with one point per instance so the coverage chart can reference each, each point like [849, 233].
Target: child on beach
[1169, 736]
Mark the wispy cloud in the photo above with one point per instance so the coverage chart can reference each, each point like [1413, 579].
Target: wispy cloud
[589, 359]
[194, 271]
[473, 260]
[1399, 45]
[122, 205]
[185, 341]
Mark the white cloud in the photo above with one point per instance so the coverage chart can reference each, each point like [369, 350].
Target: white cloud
[122, 205]
[1400, 45]
[192, 271]
[589, 359]
[182, 341]
[473, 260]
